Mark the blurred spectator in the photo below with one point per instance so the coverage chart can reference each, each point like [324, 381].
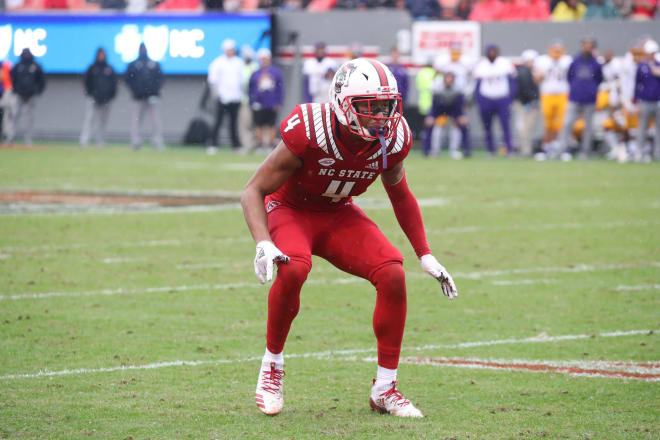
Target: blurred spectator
[400, 73]
[539, 10]
[323, 91]
[569, 10]
[463, 9]
[314, 72]
[214, 5]
[266, 93]
[28, 81]
[424, 82]
[624, 7]
[245, 125]
[226, 82]
[494, 93]
[643, 10]
[7, 103]
[647, 96]
[145, 79]
[424, 9]
[460, 65]
[527, 101]
[486, 10]
[112, 4]
[584, 76]
[601, 10]
[551, 71]
[448, 111]
[100, 89]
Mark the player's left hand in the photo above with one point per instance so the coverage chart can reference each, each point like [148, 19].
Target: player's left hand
[438, 271]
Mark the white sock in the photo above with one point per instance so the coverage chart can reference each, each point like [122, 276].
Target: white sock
[385, 376]
[272, 357]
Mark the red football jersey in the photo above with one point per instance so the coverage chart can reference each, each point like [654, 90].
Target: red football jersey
[331, 173]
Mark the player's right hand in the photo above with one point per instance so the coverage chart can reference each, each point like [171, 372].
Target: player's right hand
[267, 253]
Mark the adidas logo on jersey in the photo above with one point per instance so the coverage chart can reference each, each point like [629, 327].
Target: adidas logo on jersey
[372, 166]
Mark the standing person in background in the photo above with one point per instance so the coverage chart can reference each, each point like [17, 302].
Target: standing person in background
[494, 92]
[266, 92]
[424, 82]
[226, 82]
[100, 89]
[551, 71]
[647, 96]
[400, 74]
[7, 105]
[28, 80]
[245, 121]
[145, 79]
[584, 76]
[314, 72]
[527, 101]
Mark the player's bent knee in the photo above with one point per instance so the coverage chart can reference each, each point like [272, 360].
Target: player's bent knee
[293, 273]
[390, 280]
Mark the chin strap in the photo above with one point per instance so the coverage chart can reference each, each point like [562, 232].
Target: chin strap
[383, 147]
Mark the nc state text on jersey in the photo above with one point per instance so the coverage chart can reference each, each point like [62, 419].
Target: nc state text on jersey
[353, 174]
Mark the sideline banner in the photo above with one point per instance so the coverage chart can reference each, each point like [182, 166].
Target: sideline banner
[183, 44]
[432, 39]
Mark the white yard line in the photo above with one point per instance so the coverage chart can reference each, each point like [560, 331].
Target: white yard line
[522, 282]
[346, 280]
[121, 260]
[640, 287]
[327, 355]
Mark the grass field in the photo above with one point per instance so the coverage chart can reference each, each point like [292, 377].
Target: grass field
[150, 323]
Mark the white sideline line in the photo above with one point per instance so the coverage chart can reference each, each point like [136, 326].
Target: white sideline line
[329, 355]
[522, 282]
[640, 287]
[348, 280]
[120, 260]
[544, 226]
[185, 288]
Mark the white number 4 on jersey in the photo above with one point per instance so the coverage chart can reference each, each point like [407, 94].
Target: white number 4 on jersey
[292, 122]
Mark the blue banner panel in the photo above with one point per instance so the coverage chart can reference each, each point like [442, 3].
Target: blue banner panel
[182, 44]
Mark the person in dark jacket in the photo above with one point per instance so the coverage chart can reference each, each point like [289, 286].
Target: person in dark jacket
[647, 97]
[527, 101]
[145, 79]
[266, 93]
[584, 76]
[29, 82]
[100, 89]
[448, 111]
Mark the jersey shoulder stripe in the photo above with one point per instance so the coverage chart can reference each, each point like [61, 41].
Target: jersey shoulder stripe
[319, 131]
[305, 118]
[328, 129]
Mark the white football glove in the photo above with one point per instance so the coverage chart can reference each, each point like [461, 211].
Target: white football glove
[438, 271]
[267, 253]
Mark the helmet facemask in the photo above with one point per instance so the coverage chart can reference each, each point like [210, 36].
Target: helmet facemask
[369, 116]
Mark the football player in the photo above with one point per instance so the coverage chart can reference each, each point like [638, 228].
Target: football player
[299, 203]
[551, 72]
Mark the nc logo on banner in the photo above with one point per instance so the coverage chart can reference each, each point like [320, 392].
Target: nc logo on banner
[182, 42]
[22, 38]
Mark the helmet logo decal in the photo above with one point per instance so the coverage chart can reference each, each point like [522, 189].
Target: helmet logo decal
[342, 77]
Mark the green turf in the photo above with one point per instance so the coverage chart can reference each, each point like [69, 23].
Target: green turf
[188, 293]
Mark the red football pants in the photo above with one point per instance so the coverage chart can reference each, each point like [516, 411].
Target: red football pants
[349, 240]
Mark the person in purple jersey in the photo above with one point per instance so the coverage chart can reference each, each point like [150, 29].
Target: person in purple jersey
[400, 73]
[494, 92]
[647, 97]
[266, 93]
[584, 76]
[449, 102]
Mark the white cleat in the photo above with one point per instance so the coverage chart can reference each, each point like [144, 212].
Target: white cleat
[388, 400]
[268, 396]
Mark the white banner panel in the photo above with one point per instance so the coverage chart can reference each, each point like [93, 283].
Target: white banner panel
[433, 38]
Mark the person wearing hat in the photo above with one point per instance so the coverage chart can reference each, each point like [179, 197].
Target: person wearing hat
[266, 93]
[494, 92]
[28, 80]
[225, 80]
[314, 72]
[584, 75]
[647, 96]
[527, 100]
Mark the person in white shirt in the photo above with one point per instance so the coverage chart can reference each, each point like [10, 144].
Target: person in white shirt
[314, 73]
[494, 93]
[460, 65]
[551, 72]
[226, 77]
